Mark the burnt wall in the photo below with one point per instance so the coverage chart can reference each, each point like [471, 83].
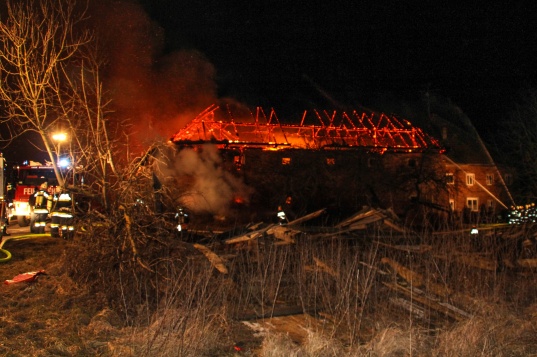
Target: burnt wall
[339, 180]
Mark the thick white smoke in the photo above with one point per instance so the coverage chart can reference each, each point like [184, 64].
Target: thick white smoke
[205, 186]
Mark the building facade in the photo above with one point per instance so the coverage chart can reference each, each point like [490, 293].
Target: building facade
[349, 160]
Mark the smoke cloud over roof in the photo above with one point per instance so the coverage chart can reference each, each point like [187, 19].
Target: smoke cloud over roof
[158, 92]
[213, 188]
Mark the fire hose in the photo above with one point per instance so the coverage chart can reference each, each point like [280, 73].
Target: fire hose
[8, 254]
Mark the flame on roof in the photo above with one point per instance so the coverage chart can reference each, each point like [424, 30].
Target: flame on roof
[317, 130]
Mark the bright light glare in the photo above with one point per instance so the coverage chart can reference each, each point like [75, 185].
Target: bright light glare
[63, 163]
[59, 137]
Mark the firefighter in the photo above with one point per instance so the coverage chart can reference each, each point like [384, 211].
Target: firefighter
[8, 206]
[41, 206]
[282, 218]
[285, 211]
[4, 218]
[181, 220]
[62, 216]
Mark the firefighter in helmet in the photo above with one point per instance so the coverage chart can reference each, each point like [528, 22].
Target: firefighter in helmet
[282, 217]
[41, 205]
[285, 211]
[61, 221]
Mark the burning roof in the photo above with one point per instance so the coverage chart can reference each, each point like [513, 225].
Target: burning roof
[317, 130]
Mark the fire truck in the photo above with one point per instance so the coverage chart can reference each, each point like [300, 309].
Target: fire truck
[24, 181]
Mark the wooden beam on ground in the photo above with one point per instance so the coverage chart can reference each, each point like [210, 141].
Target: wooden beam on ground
[323, 267]
[527, 263]
[418, 296]
[421, 248]
[417, 280]
[414, 309]
[362, 223]
[472, 260]
[356, 217]
[410, 276]
[306, 217]
[213, 258]
[284, 234]
[248, 236]
[392, 225]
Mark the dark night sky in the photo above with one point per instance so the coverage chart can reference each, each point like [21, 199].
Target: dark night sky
[283, 54]
[479, 56]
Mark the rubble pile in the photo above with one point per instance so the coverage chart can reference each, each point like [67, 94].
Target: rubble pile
[494, 249]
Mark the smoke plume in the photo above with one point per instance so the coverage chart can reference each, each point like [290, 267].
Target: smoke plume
[205, 186]
[155, 91]
[158, 93]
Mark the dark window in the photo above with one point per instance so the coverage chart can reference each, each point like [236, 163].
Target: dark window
[450, 179]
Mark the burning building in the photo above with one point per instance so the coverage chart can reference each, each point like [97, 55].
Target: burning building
[343, 160]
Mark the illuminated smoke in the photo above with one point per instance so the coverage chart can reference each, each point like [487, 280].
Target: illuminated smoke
[157, 92]
[206, 187]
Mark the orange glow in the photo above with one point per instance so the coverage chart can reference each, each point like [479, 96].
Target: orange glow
[59, 137]
[317, 130]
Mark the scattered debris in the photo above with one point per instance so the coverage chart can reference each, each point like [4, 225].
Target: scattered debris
[370, 215]
[25, 277]
[249, 236]
[215, 260]
[421, 295]
[321, 266]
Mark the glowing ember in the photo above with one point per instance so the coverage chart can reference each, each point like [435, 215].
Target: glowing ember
[328, 130]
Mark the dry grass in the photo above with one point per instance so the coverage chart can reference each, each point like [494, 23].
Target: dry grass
[99, 299]
[495, 332]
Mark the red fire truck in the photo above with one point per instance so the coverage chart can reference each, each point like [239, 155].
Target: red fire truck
[25, 179]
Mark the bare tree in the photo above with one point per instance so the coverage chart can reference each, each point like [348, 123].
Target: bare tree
[93, 135]
[39, 45]
[51, 83]
[521, 145]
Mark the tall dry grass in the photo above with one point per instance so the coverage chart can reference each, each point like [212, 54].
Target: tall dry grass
[181, 306]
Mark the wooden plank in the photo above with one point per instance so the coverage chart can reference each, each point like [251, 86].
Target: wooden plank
[527, 263]
[323, 267]
[284, 233]
[417, 280]
[416, 310]
[306, 217]
[213, 258]
[392, 225]
[472, 260]
[356, 217]
[416, 296]
[421, 248]
[248, 236]
[410, 276]
[365, 221]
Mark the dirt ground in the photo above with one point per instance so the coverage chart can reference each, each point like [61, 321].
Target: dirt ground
[51, 316]
[40, 318]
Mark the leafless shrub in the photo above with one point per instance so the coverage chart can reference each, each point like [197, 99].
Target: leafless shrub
[179, 304]
[394, 342]
[496, 333]
[280, 345]
[182, 332]
[318, 345]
